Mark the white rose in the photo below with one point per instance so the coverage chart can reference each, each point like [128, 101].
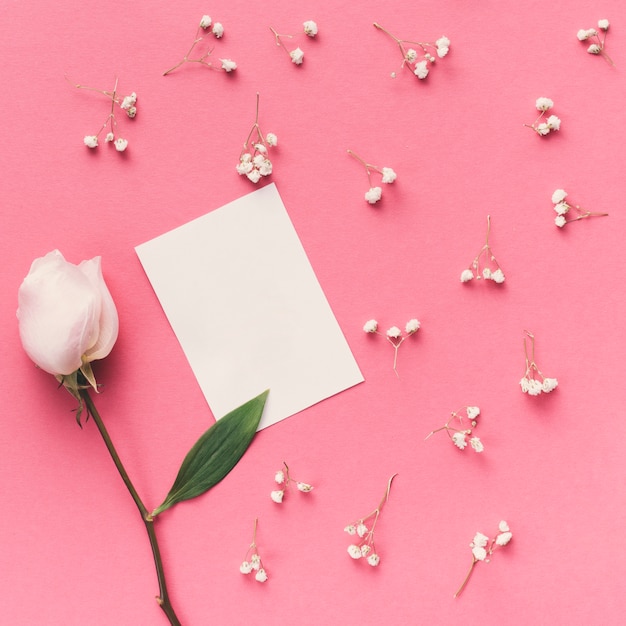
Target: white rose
[66, 314]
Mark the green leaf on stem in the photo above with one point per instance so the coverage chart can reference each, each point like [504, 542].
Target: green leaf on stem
[216, 453]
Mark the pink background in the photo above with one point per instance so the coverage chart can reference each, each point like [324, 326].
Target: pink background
[73, 549]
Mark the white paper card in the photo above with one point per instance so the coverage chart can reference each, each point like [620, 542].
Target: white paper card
[243, 300]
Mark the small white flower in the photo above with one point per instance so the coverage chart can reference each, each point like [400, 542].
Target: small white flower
[261, 576]
[486, 273]
[310, 28]
[480, 554]
[559, 195]
[473, 412]
[412, 326]
[534, 387]
[350, 529]
[245, 567]
[132, 112]
[411, 55]
[477, 444]
[560, 221]
[554, 123]
[498, 276]
[361, 529]
[421, 69]
[259, 147]
[543, 104]
[582, 34]
[373, 560]
[129, 101]
[121, 144]
[442, 42]
[265, 168]
[205, 22]
[503, 527]
[305, 487]
[228, 65]
[594, 48]
[373, 194]
[603, 24]
[254, 176]
[442, 51]
[109, 137]
[480, 540]
[218, 30]
[91, 141]
[244, 167]
[543, 129]
[504, 538]
[297, 56]
[524, 384]
[549, 384]
[279, 477]
[561, 208]
[277, 496]
[370, 326]
[466, 276]
[272, 139]
[388, 175]
[354, 551]
[459, 440]
[255, 561]
[394, 332]
[365, 550]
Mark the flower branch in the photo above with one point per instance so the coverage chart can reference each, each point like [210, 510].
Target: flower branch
[485, 265]
[562, 208]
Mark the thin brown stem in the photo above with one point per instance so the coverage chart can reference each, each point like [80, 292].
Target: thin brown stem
[466, 579]
[163, 598]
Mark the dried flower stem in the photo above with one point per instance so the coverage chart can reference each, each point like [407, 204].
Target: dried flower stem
[279, 40]
[163, 598]
[369, 168]
[467, 577]
[202, 60]
[114, 100]
[582, 214]
[400, 42]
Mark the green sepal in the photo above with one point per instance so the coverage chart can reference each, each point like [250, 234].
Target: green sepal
[216, 453]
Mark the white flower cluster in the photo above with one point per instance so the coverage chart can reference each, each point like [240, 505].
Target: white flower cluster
[485, 265]
[534, 382]
[550, 124]
[217, 30]
[254, 162]
[598, 41]
[482, 548]
[363, 528]
[127, 104]
[252, 561]
[283, 479]
[296, 54]
[462, 435]
[388, 176]
[419, 63]
[393, 335]
[562, 208]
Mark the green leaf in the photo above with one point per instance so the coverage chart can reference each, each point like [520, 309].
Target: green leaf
[216, 452]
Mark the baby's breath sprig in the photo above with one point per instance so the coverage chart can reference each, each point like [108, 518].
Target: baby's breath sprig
[296, 54]
[374, 194]
[284, 479]
[126, 103]
[562, 208]
[253, 160]
[483, 547]
[364, 528]
[552, 122]
[393, 335]
[533, 381]
[459, 435]
[597, 47]
[485, 264]
[252, 561]
[217, 29]
[419, 63]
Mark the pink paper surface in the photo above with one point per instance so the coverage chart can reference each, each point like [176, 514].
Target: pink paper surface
[74, 551]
